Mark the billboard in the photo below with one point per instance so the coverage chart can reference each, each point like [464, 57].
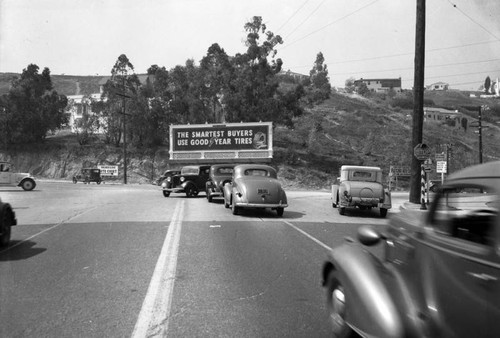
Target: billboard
[108, 170]
[226, 142]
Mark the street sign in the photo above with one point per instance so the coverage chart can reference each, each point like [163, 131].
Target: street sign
[422, 151]
[441, 167]
[440, 157]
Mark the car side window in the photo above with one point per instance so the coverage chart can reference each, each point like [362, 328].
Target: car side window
[467, 213]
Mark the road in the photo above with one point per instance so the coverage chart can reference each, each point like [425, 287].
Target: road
[123, 261]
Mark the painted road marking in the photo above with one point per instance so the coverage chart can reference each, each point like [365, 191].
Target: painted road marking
[308, 236]
[155, 312]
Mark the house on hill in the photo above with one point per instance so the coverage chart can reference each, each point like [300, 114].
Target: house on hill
[438, 86]
[380, 85]
[453, 118]
[78, 105]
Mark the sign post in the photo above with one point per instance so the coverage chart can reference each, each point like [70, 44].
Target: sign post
[422, 152]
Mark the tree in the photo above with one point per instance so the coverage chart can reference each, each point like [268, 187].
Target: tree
[487, 85]
[32, 107]
[319, 88]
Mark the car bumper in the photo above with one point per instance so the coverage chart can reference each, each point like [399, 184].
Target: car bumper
[260, 205]
[175, 190]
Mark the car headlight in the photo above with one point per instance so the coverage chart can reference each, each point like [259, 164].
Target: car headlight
[164, 185]
[183, 179]
[169, 179]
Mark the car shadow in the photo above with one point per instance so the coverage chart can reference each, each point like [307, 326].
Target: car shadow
[356, 212]
[19, 250]
[268, 213]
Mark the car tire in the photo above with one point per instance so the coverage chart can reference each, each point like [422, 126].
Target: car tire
[226, 205]
[6, 228]
[98, 182]
[28, 184]
[209, 198]
[342, 210]
[280, 211]
[191, 191]
[383, 212]
[337, 304]
[234, 208]
[74, 180]
[166, 193]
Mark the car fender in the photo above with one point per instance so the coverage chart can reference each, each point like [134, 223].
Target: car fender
[373, 311]
[335, 191]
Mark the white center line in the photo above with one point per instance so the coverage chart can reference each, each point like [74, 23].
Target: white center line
[308, 236]
[154, 316]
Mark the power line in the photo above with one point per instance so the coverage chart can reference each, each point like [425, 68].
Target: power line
[283, 25]
[307, 18]
[331, 23]
[474, 21]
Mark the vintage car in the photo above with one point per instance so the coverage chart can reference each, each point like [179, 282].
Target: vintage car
[254, 186]
[167, 173]
[191, 180]
[10, 178]
[360, 186]
[7, 220]
[440, 272]
[88, 175]
[220, 174]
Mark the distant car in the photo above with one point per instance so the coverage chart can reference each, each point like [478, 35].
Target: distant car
[10, 178]
[88, 175]
[255, 186]
[191, 180]
[7, 220]
[167, 173]
[361, 187]
[220, 174]
[440, 273]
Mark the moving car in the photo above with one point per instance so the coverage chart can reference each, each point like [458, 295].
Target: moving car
[165, 175]
[220, 174]
[10, 178]
[360, 186]
[7, 220]
[440, 274]
[88, 175]
[254, 186]
[191, 180]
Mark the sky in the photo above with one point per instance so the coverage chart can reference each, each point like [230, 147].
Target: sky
[367, 39]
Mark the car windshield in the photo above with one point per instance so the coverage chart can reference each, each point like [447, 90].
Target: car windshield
[189, 170]
[359, 175]
[225, 171]
[256, 172]
[467, 212]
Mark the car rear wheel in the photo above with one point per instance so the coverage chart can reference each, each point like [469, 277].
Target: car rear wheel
[166, 193]
[342, 210]
[74, 180]
[28, 184]
[383, 212]
[280, 211]
[337, 305]
[5, 230]
[99, 182]
[209, 198]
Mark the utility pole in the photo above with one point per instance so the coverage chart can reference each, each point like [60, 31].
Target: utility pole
[418, 101]
[124, 144]
[480, 130]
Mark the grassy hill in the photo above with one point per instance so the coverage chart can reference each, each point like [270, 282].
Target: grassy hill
[346, 129]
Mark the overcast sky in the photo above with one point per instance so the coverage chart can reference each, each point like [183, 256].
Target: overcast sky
[358, 38]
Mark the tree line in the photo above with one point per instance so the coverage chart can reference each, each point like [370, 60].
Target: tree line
[246, 87]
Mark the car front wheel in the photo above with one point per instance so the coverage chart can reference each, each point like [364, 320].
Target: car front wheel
[234, 208]
[342, 210]
[166, 193]
[337, 304]
[5, 229]
[191, 191]
[74, 180]
[383, 212]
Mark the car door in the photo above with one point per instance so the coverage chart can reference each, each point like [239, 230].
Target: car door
[5, 175]
[460, 263]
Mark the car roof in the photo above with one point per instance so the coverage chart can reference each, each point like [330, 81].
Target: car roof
[485, 170]
[359, 167]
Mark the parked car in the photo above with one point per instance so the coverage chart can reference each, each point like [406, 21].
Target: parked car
[191, 180]
[254, 186]
[220, 174]
[7, 220]
[165, 175]
[10, 178]
[360, 186]
[88, 175]
[439, 275]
